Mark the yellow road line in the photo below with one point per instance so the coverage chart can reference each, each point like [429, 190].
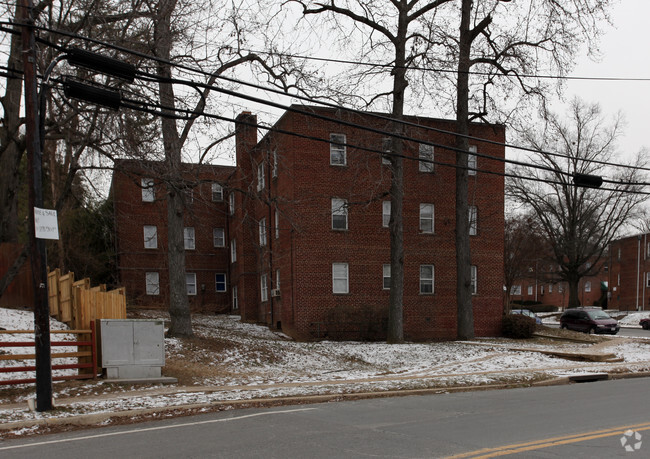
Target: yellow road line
[549, 442]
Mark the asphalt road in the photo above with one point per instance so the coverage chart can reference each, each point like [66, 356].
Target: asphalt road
[631, 332]
[579, 420]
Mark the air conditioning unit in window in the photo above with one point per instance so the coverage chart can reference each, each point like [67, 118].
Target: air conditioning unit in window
[275, 292]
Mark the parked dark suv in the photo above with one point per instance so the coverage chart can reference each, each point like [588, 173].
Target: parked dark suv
[589, 320]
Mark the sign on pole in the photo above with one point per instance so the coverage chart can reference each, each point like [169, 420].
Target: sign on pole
[46, 224]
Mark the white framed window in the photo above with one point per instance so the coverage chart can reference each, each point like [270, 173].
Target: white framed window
[647, 279]
[426, 218]
[618, 279]
[235, 302]
[262, 228]
[471, 161]
[152, 280]
[233, 251]
[530, 290]
[337, 150]
[190, 283]
[219, 237]
[220, 282]
[188, 238]
[385, 214]
[340, 278]
[473, 280]
[148, 190]
[217, 192]
[426, 279]
[277, 279]
[277, 224]
[550, 288]
[339, 214]
[274, 169]
[231, 203]
[618, 257]
[264, 288]
[473, 220]
[261, 180]
[386, 147]
[541, 289]
[560, 287]
[426, 158]
[515, 290]
[386, 277]
[588, 286]
[150, 237]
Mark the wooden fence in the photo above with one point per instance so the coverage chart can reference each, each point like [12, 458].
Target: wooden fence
[86, 354]
[78, 305]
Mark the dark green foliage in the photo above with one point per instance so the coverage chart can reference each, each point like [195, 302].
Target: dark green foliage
[518, 326]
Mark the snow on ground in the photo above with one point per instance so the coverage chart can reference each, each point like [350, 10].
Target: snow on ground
[231, 360]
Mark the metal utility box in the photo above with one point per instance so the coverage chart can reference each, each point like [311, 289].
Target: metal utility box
[131, 349]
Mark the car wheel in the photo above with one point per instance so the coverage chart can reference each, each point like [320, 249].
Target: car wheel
[563, 326]
[646, 326]
[591, 331]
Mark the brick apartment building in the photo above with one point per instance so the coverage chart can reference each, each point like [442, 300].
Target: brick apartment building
[305, 224]
[138, 193]
[309, 234]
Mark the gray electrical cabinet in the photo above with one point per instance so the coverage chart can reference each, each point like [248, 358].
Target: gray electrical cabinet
[131, 348]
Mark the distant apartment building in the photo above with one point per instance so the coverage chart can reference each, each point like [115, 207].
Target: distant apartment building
[139, 192]
[298, 230]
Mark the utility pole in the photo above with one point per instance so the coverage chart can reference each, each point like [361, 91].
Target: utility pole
[36, 246]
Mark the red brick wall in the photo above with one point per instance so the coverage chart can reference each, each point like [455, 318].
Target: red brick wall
[308, 246]
[131, 214]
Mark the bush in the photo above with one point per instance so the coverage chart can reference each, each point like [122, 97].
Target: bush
[526, 303]
[518, 326]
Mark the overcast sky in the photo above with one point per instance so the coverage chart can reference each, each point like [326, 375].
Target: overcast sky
[625, 52]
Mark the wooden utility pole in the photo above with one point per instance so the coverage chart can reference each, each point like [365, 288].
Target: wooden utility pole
[37, 246]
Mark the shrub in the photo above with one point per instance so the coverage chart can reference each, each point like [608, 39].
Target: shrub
[518, 326]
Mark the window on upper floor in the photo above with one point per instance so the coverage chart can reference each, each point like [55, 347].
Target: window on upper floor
[150, 237]
[277, 224]
[235, 301]
[647, 280]
[386, 147]
[426, 218]
[426, 279]
[233, 251]
[262, 231]
[530, 290]
[152, 281]
[188, 238]
[471, 161]
[339, 214]
[386, 277]
[189, 195]
[515, 290]
[274, 169]
[261, 180]
[425, 164]
[190, 283]
[588, 286]
[550, 288]
[148, 190]
[231, 203]
[385, 214]
[473, 280]
[337, 150]
[264, 288]
[473, 220]
[217, 192]
[340, 279]
[219, 237]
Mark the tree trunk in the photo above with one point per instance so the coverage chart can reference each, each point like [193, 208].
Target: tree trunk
[179, 310]
[574, 298]
[465, 319]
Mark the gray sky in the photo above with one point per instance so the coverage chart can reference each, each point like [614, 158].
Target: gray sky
[625, 54]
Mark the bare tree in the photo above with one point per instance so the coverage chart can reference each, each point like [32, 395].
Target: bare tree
[404, 30]
[577, 223]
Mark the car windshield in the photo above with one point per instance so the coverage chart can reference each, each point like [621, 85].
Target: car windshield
[598, 315]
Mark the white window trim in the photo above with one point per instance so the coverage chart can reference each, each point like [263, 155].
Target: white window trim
[233, 251]
[386, 147]
[472, 161]
[277, 224]
[385, 214]
[219, 241]
[588, 286]
[473, 220]
[427, 219]
[151, 237]
[426, 153]
[217, 192]
[515, 290]
[262, 231]
[261, 179]
[530, 290]
[428, 281]
[152, 283]
[189, 238]
[274, 169]
[337, 150]
[339, 208]
[216, 283]
[340, 276]
[231, 203]
[190, 281]
[148, 190]
[385, 277]
[235, 301]
[264, 288]
[474, 280]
